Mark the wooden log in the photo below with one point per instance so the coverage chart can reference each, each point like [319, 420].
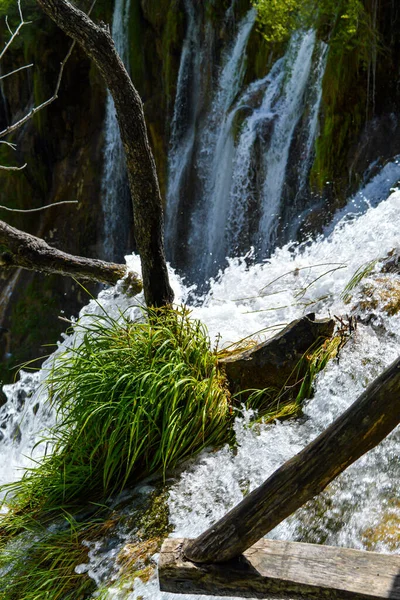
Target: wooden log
[275, 363]
[367, 422]
[275, 569]
[29, 252]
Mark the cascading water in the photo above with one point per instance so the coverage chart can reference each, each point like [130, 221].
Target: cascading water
[235, 160]
[262, 298]
[215, 159]
[242, 179]
[115, 195]
[183, 129]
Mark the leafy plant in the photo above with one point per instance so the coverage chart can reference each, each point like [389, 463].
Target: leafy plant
[345, 24]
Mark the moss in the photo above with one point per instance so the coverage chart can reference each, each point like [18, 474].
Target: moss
[386, 530]
[383, 293]
[151, 523]
[136, 58]
[344, 102]
[345, 94]
[171, 42]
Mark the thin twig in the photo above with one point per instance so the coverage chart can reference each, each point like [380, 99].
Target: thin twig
[10, 144]
[16, 71]
[8, 26]
[30, 210]
[16, 32]
[4, 168]
[36, 109]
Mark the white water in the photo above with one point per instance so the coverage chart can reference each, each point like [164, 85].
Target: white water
[183, 128]
[239, 165]
[245, 300]
[113, 187]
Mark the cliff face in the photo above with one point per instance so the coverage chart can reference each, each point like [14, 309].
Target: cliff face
[63, 146]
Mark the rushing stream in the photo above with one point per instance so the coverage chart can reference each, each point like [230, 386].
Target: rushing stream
[356, 509]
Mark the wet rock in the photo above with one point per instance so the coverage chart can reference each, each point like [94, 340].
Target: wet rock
[274, 363]
[391, 263]
[3, 398]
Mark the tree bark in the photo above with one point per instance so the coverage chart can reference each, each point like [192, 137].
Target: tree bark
[32, 253]
[366, 423]
[96, 41]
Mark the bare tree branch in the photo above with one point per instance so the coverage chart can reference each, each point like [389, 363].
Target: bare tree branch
[31, 210]
[15, 71]
[32, 253]
[16, 32]
[36, 109]
[4, 168]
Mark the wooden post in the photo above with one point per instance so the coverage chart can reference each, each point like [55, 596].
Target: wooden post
[367, 422]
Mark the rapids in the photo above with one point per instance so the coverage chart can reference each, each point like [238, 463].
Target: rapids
[243, 300]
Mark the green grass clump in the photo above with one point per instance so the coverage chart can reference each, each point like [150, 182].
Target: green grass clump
[42, 564]
[132, 399]
[286, 402]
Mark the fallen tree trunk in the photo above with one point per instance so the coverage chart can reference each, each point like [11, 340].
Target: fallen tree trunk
[366, 423]
[32, 253]
[281, 570]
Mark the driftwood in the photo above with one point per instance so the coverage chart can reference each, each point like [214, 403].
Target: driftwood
[97, 43]
[32, 253]
[274, 569]
[367, 422]
[275, 363]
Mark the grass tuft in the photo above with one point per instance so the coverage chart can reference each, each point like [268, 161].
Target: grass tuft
[132, 399]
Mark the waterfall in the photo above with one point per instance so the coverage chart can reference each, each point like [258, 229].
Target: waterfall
[227, 169]
[114, 189]
[215, 160]
[186, 110]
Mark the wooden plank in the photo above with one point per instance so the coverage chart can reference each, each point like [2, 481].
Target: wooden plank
[283, 570]
[366, 423]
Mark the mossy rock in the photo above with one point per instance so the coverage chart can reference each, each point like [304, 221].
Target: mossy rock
[386, 531]
[381, 292]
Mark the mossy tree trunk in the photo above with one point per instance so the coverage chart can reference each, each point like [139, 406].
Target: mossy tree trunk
[96, 41]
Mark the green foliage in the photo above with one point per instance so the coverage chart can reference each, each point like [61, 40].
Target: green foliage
[132, 399]
[41, 564]
[279, 18]
[7, 7]
[346, 24]
[358, 276]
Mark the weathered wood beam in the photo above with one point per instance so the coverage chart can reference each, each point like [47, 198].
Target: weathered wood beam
[366, 423]
[29, 252]
[274, 569]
